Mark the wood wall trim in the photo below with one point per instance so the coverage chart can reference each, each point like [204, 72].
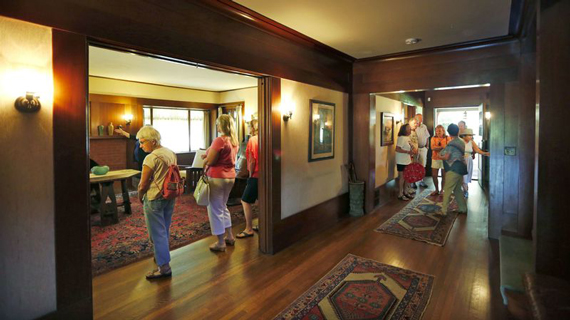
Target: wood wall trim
[310, 221]
[269, 161]
[196, 33]
[152, 102]
[244, 14]
[71, 179]
[160, 85]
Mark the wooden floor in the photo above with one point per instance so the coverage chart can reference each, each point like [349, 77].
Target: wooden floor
[244, 284]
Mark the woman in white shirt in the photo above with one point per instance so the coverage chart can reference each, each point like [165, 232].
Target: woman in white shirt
[404, 153]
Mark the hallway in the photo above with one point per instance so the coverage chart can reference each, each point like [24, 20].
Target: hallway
[245, 284]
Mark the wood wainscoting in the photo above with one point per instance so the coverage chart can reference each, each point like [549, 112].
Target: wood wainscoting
[309, 221]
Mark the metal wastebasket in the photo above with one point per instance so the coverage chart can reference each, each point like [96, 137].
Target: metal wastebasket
[356, 195]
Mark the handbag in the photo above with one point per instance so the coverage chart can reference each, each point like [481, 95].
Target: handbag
[414, 172]
[202, 191]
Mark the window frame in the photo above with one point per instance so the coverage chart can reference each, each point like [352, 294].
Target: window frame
[189, 110]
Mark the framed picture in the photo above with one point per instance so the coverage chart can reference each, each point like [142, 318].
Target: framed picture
[386, 129]
[321, 130]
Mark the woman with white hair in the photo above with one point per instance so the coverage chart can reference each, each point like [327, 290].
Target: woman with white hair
[157, 210]
[220, 161]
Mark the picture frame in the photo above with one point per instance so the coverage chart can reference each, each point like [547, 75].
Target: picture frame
[387, 125]
[322, 126]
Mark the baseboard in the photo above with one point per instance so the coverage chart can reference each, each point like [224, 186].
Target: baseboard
[309, 221]
[82, 309]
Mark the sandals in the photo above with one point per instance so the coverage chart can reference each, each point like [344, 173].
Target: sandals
[435, 193]
[408, 195]
[214, 247]
[230, 242]
[244, 234]
[255, 228]
[403, 198]
[157, 274]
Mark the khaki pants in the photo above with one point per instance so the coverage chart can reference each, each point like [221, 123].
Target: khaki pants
[453, 183]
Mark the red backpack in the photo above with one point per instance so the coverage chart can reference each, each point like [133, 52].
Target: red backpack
[173, 184]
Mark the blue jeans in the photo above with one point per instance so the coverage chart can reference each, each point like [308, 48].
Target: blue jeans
[158, 215]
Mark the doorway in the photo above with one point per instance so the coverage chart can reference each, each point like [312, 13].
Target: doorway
[182, 100]
[473, 118]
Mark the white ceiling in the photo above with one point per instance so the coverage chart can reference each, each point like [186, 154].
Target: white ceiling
[367, 28]
[133, 67]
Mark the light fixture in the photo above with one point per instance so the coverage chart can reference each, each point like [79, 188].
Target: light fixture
[30, 103]
[488, 115]
[128, 118]
[288, 114]
[413, 40]
[398, 118]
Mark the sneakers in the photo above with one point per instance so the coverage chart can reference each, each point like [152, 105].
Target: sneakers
[414, 185]
[466, 194]
[423, 184]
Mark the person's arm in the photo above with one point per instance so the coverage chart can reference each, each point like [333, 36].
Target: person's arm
[144, 184]
[435, 146]
[212, 157]
[444, 154]
[123, 132]
[479, 151]
[400, 150]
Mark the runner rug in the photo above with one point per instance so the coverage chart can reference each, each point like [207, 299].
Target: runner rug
[359, 288]
[127, 241]
[421, 220]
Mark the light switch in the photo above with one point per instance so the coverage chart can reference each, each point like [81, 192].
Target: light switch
[510, 151]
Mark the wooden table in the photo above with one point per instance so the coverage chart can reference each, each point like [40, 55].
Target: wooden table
[109, 211]
[192, 176]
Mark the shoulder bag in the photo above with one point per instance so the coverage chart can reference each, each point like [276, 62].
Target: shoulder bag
[202, 191]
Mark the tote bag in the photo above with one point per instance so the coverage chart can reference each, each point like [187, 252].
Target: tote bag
[202, 192]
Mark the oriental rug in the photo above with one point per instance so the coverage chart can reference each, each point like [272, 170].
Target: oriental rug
[127, 241]
[359, 288]
[421, 220]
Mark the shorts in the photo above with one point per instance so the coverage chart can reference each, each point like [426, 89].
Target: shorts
[401, 167]
[250, 193]
[437, 164]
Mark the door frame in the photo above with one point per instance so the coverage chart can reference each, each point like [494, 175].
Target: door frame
[71, 158]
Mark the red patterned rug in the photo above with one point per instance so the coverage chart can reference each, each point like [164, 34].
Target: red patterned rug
[127, 241]
[420, 220]
[359, 288]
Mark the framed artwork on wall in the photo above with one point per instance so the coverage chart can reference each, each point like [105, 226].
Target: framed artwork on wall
[386, 129]
[321, 130]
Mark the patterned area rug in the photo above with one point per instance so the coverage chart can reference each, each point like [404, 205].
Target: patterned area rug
[421, 220]
[127, 241]
[359, 288]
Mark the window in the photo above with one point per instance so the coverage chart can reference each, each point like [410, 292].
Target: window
[182, 130]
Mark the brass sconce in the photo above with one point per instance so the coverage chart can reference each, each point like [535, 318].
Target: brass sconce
[30, 103]
[128, 118]
[287, 115]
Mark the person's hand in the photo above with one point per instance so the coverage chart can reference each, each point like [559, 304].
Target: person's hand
[123, 132]
[203, 156]
[141, 198]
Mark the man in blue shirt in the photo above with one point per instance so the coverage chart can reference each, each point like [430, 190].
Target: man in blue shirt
[453, 157]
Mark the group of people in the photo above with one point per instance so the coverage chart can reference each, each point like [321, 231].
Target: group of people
[219, 167]
[453, 154]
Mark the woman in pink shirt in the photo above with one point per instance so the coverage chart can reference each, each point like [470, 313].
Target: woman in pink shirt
[220, 168]
[250, 193]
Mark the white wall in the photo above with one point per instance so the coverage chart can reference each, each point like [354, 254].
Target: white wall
[306, 184]
[386, 155]
[149, 91]
[27, 259]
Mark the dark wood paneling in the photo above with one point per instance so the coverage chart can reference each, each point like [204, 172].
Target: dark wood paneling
[552, 218]
[510, 175]
[310, 221]
[194, 31]
[71, 179]
[386, 193]
[269, 161]
[497, 163]
[364, 160]
[457, 97]
[497, 62]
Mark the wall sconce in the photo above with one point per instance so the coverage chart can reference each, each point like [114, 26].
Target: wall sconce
[287, 114]
[488, 115]
[398, 117]
[30, 103]
[128, 118]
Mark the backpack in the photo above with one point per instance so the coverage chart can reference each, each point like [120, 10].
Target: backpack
[173, 184]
